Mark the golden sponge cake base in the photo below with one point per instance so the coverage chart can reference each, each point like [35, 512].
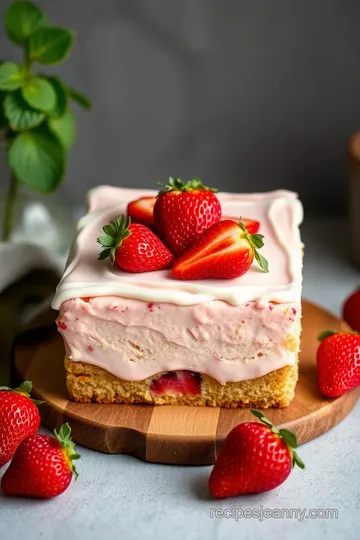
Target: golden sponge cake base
[86, 383]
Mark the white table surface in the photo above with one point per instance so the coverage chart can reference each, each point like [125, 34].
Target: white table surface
[120, 497]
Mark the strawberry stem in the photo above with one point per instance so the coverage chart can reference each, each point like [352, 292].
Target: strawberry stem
[176, 184]
[115, 233]
[256, 241]
[25, 390]
[287, 436]
[63, 436]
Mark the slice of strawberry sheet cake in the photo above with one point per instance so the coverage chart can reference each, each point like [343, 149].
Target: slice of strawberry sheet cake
[183, 297]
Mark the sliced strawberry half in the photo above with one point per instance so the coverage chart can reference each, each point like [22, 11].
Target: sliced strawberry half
[251, 225]
[224, 251]
[179, 382]
[142, 211]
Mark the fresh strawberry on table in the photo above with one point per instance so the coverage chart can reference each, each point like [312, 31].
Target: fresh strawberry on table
[133, 247]
[351, 310]
[42, 466]
[19, 418]
[255, 457]
[142, 211]
[183, 211]
[338, 362]
[252, 226]
[224, 251]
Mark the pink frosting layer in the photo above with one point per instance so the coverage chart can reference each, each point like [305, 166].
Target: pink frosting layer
[133, 339]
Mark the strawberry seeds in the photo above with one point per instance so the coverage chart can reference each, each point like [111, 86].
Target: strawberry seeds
[182, 228]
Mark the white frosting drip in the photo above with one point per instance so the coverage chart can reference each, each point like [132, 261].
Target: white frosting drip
[280, 214]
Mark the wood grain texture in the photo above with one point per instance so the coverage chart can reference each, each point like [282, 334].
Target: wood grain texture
[178, 435]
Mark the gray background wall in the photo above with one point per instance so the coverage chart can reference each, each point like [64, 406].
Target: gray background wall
[247, 94]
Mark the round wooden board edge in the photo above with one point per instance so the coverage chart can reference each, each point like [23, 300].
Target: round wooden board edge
[198, 451]
[174, 450]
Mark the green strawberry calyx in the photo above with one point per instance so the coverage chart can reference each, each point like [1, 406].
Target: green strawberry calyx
[115, 233]
[328, 333]
[256, 241]
[325, 334]
[288, 437]
[176, 184]
[25, 390]
[63, 437]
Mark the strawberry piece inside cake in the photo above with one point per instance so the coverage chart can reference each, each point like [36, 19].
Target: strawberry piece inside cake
[177, 382]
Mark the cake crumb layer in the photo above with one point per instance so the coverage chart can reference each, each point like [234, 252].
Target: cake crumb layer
[87, 383]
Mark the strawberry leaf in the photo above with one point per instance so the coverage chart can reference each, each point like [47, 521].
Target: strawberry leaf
[109, 229]
[262, 262]
[297, 461]
[257, 240]
[116, 232]
[63, 436]
[106, 241]
[176, 184]
[261, 417]
[24, 389]
[104, 254]
[289, 438]
[326, 334]
[258, 414]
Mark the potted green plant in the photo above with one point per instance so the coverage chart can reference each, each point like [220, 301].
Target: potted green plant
[36, 122]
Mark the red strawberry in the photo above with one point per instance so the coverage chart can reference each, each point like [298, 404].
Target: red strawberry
[42, 466]
[338, 362]
[254, 458]
[142, 211]
[183, 212]
[224, 251]
[251, 225]
[180, 382]
[133, 247]
[351, 310]
[19, 418]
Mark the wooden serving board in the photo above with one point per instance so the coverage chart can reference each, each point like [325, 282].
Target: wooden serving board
[167, 434]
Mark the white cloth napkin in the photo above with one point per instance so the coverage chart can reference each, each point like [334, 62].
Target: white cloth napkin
[18, 259]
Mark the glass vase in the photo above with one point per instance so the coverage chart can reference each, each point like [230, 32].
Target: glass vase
[44, 220]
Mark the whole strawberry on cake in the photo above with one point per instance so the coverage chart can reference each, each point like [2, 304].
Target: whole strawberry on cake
[183, 297]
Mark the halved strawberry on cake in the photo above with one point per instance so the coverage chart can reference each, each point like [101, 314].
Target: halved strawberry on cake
[185, 313]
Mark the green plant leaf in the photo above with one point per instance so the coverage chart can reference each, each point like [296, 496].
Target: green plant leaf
[21, 20]
[80, 99]
[64, 128]
[11, 76]
[39, 93]
[20, 114]
[61, 96]
[50, 45]
[37, 158]
[3, 119]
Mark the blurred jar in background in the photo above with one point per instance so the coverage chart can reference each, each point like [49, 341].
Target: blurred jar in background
[353, 165]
